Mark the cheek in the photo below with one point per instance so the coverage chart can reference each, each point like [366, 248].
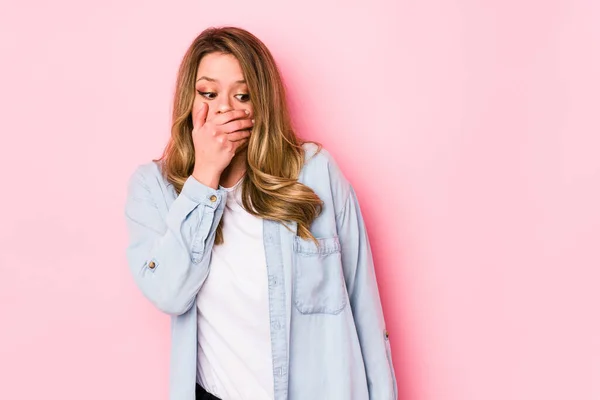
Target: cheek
[198, 102]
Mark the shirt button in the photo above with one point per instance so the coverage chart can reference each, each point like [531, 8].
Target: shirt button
[213, 198]
[151, 265]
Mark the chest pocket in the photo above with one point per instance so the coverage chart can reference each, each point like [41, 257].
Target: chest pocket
[319, 285]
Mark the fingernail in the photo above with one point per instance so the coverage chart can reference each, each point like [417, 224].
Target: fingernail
[247, 111]
[252, 121]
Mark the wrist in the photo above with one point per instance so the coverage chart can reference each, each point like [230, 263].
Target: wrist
[207, 177]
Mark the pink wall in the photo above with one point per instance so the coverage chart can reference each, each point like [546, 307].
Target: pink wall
[475, 123]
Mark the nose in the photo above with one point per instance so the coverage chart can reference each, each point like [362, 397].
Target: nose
[224, 105]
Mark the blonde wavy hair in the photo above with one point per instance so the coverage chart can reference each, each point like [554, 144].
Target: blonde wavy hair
[274, 155]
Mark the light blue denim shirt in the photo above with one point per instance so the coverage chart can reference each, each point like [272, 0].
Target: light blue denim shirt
[328, 334]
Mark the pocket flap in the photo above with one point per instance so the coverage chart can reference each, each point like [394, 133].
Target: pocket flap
[326, 245]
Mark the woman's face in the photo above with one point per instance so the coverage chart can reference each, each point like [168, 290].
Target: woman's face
[220, 84]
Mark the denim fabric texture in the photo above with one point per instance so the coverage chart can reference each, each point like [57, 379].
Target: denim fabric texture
[328, 334]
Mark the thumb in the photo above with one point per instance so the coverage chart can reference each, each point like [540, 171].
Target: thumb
[200, 117]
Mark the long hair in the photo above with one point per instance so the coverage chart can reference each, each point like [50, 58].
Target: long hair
[274, 155]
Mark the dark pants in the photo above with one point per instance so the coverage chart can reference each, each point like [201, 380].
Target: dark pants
[202, 394]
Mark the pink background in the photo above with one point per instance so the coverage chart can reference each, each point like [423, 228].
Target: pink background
[470, 130]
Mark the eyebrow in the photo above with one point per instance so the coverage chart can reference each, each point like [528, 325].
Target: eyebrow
[206, 78]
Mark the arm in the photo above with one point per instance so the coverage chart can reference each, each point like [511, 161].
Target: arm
[362, 288]
[169, 254]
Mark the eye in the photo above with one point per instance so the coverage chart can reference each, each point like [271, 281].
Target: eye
[208, 95]
[243, 97]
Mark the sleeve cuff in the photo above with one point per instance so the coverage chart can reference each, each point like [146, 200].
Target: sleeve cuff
[200, 193]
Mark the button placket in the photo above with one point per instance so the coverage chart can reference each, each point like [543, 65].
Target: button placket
[277, 307]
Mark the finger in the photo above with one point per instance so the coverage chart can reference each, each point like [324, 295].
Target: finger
[221, 119]
[239, 135]
[200, 117]
[237, 125]
[240, 145]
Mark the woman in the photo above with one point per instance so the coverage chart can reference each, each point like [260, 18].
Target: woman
[254, 242]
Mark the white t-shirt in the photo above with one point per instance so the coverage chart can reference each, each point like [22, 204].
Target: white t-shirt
[234, 341]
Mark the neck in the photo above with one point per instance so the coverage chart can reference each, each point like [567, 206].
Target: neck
[235, 170]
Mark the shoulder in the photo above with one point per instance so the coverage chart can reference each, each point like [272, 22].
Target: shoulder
[321, 169]
[147, 176]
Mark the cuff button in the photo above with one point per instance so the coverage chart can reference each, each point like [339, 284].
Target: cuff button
[213, 198]
[151, 265]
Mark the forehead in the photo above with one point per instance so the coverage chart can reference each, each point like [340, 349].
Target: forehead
[222, 67]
